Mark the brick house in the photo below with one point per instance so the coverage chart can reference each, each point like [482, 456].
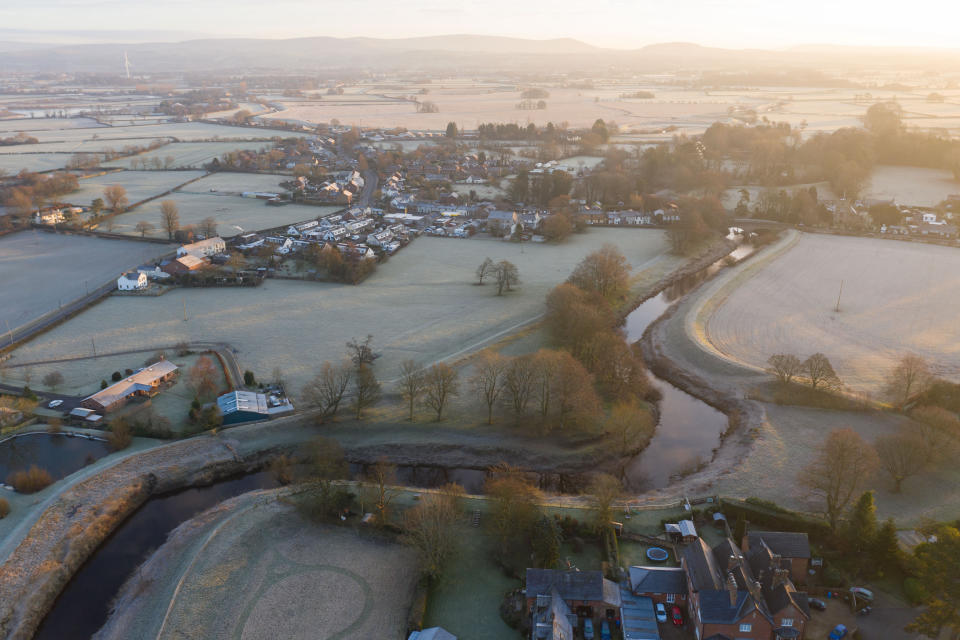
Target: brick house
[586, 593]
[792, 547]
[663, 585]
[734, 596]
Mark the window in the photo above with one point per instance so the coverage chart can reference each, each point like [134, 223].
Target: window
[671, 597]
[746, 628]
[786, 622]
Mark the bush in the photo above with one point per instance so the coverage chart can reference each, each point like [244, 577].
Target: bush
[29, 394]
[120, 436]
[30, 481]
[913, 589]
[4, 508]
[103, 384]
[117, 376]
[249, 379]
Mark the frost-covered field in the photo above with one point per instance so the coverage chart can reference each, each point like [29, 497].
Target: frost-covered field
[39, 270]
[226, 182]
[422, 304]
[230, 212]
[898, 297]
[182, 131]
[911, 185]
[14, 162]
[139, 184]
[45, 124]
[189, 154]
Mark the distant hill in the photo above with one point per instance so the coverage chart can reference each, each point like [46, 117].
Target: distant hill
[449, 53]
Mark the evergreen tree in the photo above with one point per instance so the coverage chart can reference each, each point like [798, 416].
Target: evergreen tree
[545, 538]
[886, 547]
[862, 526]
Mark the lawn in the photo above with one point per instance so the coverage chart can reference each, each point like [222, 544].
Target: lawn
[435, 309]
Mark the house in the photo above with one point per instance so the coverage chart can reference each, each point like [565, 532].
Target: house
[153, 271]
[793, 547]
[664, 585]
[726, 598]
[379, 238]
[146, 382]
[247, 406]
[551, 618]
[184, 264]
[297, 229]
[433, 633]
[586, 593]
[203, 248]
[132, 281]
[335, 234]
[52, 216]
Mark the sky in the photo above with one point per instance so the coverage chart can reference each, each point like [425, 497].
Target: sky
[608, 23]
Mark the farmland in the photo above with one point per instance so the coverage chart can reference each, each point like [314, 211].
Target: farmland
[435, 310]
[911, 185]
[264, 575]
[140, 185]
[189, 154]
[897, 298]
[39, 271]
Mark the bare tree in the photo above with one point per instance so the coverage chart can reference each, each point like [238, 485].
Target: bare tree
[169, 217]
[384, 476]
[440, 382]
[203, 376]
[901, 455]
[518, 383]
[631, 424]
[326, 390]
[507, 275]
[430, 528]
[53, 380]
[486, 267]
[168, 162]
[116, 198]
[236, 262]
[143, 228]
[820, 372]
[489, 373]
[605, 272]
[938, 429]
[910, 378]
[366, 390]
[361, 353]
[785, 366]
[412, 384]
[604, 489]
[546, 368]
[208, 227]
[842, 466]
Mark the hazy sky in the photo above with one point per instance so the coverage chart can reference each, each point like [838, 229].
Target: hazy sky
[612, 23]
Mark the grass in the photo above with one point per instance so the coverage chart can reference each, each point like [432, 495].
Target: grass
[805, 396]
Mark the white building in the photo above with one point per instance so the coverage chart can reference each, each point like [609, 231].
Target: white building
[203, 248]
[132, 281]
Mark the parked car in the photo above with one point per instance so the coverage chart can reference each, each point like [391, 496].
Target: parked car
[860, 592]
[55, 403]
[605, 631]
[588, 629]
[817, 603]
[839, 631]
[661, 612]
[677, 616]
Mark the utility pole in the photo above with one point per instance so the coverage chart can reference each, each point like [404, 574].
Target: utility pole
[184, 310]
[9, 331]
[838, 297]
[94, 345]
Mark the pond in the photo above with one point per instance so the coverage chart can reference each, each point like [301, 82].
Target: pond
[689, 429]
[59, 453]
[83, 606]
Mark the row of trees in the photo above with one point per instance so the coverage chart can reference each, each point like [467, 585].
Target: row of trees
[816, 369]
[504, 273]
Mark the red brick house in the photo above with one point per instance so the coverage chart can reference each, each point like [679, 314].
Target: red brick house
[586, 593]
[792, 547]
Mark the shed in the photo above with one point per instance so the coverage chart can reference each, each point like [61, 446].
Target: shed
[638, 618]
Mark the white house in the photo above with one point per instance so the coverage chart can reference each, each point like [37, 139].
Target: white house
[132, 281]
[335, 234]
[153, 272]
[379, 238]
[203, 248]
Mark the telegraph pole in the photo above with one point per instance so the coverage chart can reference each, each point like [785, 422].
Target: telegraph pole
[838, 297]
[184, 310]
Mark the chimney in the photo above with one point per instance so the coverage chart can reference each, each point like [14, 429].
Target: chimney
[732, 590]
[779, 577]
[732, 562]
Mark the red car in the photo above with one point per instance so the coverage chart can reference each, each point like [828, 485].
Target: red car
[676, 616]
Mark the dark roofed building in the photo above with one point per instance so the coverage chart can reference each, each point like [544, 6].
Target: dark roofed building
[789, 545]
[665, 585]
[587, 593]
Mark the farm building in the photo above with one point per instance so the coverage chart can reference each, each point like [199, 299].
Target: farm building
[146, 382]
[183, 264]
[203, 248]
[132, 281]
[247, 406]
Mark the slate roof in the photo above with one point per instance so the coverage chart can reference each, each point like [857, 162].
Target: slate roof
[573, 585]
[657, 580]
[715, 606]
[788, 544]
[702, 566]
